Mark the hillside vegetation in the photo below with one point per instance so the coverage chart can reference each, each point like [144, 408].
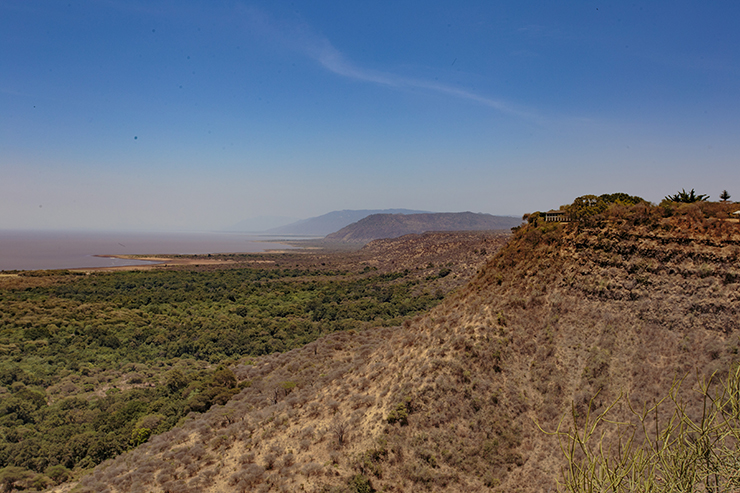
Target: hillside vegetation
[562, 321]
[94, 365]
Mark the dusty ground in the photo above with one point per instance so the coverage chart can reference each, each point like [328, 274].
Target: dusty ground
[162, 261]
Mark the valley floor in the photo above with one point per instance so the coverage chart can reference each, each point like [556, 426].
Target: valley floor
[119, 355]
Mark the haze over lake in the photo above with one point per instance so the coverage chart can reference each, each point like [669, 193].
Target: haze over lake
[30, 250]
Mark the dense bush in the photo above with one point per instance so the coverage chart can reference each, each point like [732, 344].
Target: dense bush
[91, 366]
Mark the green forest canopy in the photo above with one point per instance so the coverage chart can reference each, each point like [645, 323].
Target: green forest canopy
[94, 365]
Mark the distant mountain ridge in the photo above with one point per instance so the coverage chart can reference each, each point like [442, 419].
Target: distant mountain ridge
[378, 226]
[332, 221]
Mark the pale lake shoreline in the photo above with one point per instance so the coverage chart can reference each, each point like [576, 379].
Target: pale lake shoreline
[74, 250]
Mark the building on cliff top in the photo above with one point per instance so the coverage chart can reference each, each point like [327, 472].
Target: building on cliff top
[556, 216]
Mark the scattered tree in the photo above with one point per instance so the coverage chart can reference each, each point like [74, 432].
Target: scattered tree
[724, 196]
[340, 429]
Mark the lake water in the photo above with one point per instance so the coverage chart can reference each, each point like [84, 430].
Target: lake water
[31, 250]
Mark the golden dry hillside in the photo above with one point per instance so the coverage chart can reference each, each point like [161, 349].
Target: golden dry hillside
[623, 301]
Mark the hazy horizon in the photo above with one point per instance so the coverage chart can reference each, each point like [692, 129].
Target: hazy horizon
[260, 225]
[194, 116]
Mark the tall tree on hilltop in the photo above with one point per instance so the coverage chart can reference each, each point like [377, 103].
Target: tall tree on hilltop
[687, 198]
[724, 196]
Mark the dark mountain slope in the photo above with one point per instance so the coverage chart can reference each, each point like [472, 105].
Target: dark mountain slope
[395, 225]
[625, 301]
[332, 221]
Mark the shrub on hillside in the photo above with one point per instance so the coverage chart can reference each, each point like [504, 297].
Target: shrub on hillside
[586, 206]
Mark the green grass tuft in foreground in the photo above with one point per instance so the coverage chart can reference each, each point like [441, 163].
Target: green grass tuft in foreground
[655, 450]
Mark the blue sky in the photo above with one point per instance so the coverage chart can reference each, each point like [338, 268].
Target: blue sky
[164, 115]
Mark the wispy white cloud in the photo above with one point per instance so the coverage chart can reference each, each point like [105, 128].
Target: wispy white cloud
[300, 37]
